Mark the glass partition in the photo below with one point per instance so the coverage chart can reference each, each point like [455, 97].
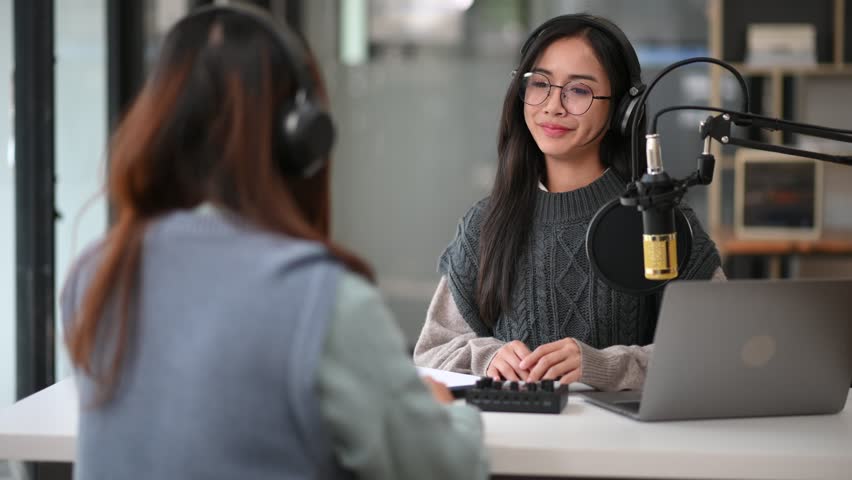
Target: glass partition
[7, 209]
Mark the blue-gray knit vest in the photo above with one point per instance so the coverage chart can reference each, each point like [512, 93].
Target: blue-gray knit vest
[219, 377]
[555, 293]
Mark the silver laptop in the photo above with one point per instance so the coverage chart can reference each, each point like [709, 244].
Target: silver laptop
[745, 348]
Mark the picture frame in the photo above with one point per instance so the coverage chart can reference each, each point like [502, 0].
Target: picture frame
[777, 196]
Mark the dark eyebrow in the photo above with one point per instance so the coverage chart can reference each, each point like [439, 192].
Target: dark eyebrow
[576, 76]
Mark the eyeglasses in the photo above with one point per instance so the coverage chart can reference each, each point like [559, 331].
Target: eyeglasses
[576, 97]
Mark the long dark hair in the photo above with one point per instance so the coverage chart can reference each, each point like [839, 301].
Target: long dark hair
[508, 217]
[201, 130]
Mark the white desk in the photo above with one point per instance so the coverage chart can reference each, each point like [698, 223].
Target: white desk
[583, 441]
[588, 441]
[41, 427]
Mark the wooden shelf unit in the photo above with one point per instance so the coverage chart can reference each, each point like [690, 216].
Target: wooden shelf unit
[831, 241]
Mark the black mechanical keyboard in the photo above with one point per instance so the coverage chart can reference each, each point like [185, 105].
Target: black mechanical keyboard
[546, 396]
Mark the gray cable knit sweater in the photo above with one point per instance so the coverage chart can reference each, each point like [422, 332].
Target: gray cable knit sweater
[557, 294]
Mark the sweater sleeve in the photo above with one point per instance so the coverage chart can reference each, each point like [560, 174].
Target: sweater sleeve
[620, 367]
[448, 343]
[382, 419]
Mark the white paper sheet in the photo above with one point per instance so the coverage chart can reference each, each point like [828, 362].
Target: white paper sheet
[451, 379]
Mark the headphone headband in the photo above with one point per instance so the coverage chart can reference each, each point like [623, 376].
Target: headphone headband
[607, 27]
[290, 44]
[304, 132]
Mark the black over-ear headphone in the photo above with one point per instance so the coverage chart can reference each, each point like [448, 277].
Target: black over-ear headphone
[305, 132]
[626, 107]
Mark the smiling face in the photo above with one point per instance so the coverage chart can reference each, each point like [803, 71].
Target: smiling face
[560, 135]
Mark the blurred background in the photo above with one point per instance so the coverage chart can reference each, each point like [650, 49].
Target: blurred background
[416, 90]
[417, 87]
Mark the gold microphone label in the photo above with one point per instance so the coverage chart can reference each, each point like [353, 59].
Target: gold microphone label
[660, 256]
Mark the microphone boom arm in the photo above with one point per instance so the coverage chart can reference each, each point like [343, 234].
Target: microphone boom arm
[656, 194]
[719, 128]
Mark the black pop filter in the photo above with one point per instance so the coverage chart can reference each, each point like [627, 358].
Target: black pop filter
[614, 247]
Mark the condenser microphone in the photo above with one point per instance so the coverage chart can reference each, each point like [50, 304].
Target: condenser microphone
[612, 241]
[615, 253]
[659, 236]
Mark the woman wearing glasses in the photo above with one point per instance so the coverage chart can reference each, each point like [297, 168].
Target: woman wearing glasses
[517, 299]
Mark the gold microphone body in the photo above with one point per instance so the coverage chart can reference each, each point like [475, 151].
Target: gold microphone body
[659, 239]
[660, 256]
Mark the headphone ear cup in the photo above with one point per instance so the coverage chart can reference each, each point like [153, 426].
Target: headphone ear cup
[306, 137]
[625, 111]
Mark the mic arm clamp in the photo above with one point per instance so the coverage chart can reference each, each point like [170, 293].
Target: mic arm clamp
[668, 193]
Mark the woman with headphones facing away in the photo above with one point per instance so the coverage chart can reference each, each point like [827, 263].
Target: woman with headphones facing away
[215, 331]
[518, 299]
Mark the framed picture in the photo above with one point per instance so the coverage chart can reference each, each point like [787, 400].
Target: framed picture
[777, 196]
